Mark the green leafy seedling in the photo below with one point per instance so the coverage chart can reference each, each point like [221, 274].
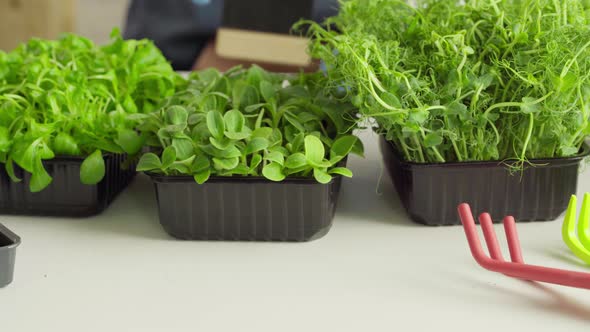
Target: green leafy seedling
[264, 129]
[71, 98]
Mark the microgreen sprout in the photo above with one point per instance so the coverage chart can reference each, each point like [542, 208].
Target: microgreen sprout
[449, 80]
[249, 122]
[68, 97]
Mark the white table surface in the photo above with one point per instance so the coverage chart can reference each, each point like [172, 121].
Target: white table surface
[374, 271]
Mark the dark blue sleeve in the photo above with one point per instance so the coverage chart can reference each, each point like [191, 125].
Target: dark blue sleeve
[324, 8]
[181, 28]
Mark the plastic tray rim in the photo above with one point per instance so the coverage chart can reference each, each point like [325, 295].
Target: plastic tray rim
[541, 162]
[15, 239]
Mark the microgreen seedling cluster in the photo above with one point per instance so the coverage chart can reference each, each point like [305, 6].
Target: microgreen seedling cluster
[450, 80]
[249, 122]
[68, 97]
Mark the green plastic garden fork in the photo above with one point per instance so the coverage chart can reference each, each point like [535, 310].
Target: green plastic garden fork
[579, 242]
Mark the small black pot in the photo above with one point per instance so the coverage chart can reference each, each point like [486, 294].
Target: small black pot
[245, 208]
[431, 192]
[66, 196]
[8, 243]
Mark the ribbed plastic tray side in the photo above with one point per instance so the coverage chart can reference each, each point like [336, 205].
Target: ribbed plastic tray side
[431, 192]
[245, 209]
[66, 195]
[7, 262]
[8, 243]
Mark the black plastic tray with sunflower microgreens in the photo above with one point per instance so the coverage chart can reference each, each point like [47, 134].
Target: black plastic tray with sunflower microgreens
[249, 155]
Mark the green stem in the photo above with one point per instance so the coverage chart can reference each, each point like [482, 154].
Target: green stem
[418, 148]
[528, 136]
[404, 147]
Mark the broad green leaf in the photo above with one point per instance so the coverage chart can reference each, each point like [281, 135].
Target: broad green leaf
[259, 119]
[221, 144]
[255, 74]
[296, 160]
[138, 117]
[292, 171]
[256, 144]
[177, 115]
[26, 155]
[290, 133]
[456, 108]
[44, 152]
[418, 116]
[341, 171]
[200, 164]
[273, 172]
[250, 96]
[297, 144]
[5, 140]
[168, 157]
[195, 118]
[238, 136]
[200, 132]
[203, 176]
[241, 169]
[244, 95]
[129, 105]
[267, 91]
[149, 162]
[129, 141]
[39, 130]
[294, 91]
[264, 132]
[294, 121]
[342, 147]
[321, 176]
[10, 171]
[180, 168]
[276, 157]
[279, 149]
[184, 147]
[170, 131]
[254, 107]
[275, 138]
[234, 121]
[215, 124]
[569, 150]
[314, 149]
[358, 148]
[227, 164]
[391, 99]
[432, 139]
[305, 117]
[231, 152]
[64, 144]
[92, 170]
[484, 81]
[40, 179]
[410, 129]
[565, 83]
[255, 161]
[208, 75]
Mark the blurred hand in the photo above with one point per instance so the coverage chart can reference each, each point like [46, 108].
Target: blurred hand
[208, 58]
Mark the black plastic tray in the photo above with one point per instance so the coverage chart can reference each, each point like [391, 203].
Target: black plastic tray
[66, 195]
[246, 208]
[8, 243]
[430, 192]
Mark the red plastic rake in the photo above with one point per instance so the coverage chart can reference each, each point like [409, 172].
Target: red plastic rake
[517, 267]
